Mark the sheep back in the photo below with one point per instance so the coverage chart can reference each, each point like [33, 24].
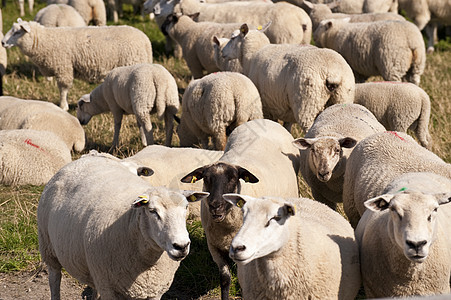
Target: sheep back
[59, 15]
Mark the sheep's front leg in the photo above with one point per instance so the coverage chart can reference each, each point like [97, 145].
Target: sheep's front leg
[169, 124]
[63, 96]
[117, 129]
[64, 82]
[54, 282]
[224, 272]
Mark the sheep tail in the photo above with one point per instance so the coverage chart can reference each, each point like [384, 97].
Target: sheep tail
[422, 130]
[417, 66]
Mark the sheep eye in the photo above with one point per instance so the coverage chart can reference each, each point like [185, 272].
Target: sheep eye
[393, 210]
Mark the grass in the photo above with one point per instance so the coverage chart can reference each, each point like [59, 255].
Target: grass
[198, 274]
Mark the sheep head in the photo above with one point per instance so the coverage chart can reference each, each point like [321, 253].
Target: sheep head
[265, 226]
[18, 30]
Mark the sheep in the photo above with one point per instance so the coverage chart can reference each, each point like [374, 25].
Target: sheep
[22, 7]
[196, 40]
[290, 24]
[294, 249]
[131, 237]
[426, 14]
[327, 145]
[260, 153]
[18, 113]
[319, 12]
[91, 11]
[139, 89]
[89, 53]
[295, 82]
[30, 156]
[372, 48]
[404, 238]
[59, 15]
[398, 106]
[376, 161]
[216, 104]
[232, 65]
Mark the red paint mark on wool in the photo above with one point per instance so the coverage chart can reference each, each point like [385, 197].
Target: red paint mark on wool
[29, 142]
[397, 135]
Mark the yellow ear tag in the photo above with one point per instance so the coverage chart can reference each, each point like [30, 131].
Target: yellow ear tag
[242, 30]
[259, 27]
[240, 203]
[246, 179]
[291, 210]
[194, 179]
[192, 198]
[141, 200]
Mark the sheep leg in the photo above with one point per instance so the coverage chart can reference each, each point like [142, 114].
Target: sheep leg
[117, 129]
[431, 33]
[169, 124]
[224, 271]
[63, 96]
[220, 139]
[54, 282]
[145, 129]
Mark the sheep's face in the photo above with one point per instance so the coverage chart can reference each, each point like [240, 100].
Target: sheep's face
[413, 220]
[265, 227]
[232, 49]
[220, 178]
[12, 37]
[324, 153]
[82, 115]
[162, 219]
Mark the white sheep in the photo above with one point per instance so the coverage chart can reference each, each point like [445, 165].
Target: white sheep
[232, 65]
[217, 104]
[111, 230]
[404, 238]
[259, 159]
[294, 249]
[87, 53]
[366, 6]
[22, 7]
[18, 113]
[398, 106]
[196, 40]
[295, 81]
[371, 48]
[320, 12]
[92, 11]
[139, 89]
[327, 145]
[427, 14]
[379, 159]
[59, 15]
[30, 156]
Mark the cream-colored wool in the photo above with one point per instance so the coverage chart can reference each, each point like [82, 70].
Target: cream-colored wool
[294, 249]
[327, 145]
[86, 53]
[379, 159]
[215, 104]
[92, 11]
[18, 113]
[398, 106]
[372, 48]
[89, 225]
[30, 156]
[141, 89]
[405, 245]
[295, 81]
[59, 15]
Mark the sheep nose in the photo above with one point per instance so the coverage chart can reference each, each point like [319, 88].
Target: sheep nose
[416, 245]
[324, 174]
[180, 247]
[239, 248]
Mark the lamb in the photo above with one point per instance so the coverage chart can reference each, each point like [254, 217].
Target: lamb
[91, 11]
[320, 12]
[379, 159]
[261, 154]
[295, 82]
[31, 157]
[89, 53]
[327, 145]
[59, 15]
[398, 106]
[426, 14]
[216, 104]
[196, 40]
[118, 250]
[371, 48]
[404, 238]
[294, 249]
[18, 113]
[232, 65]
[139, 89]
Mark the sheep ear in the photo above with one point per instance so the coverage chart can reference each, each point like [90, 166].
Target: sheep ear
[443, 198]
[194, 176]
[142, 200]
[303, 143]
[246, 175]
[307, 6]
[194, 16]
[193, 196]
[264, 27]
[216, 41]
[289, 209]
[379, 203]
[25, 27]
[347, 142]
[144, 171]
[244, 29]
[236, 199]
